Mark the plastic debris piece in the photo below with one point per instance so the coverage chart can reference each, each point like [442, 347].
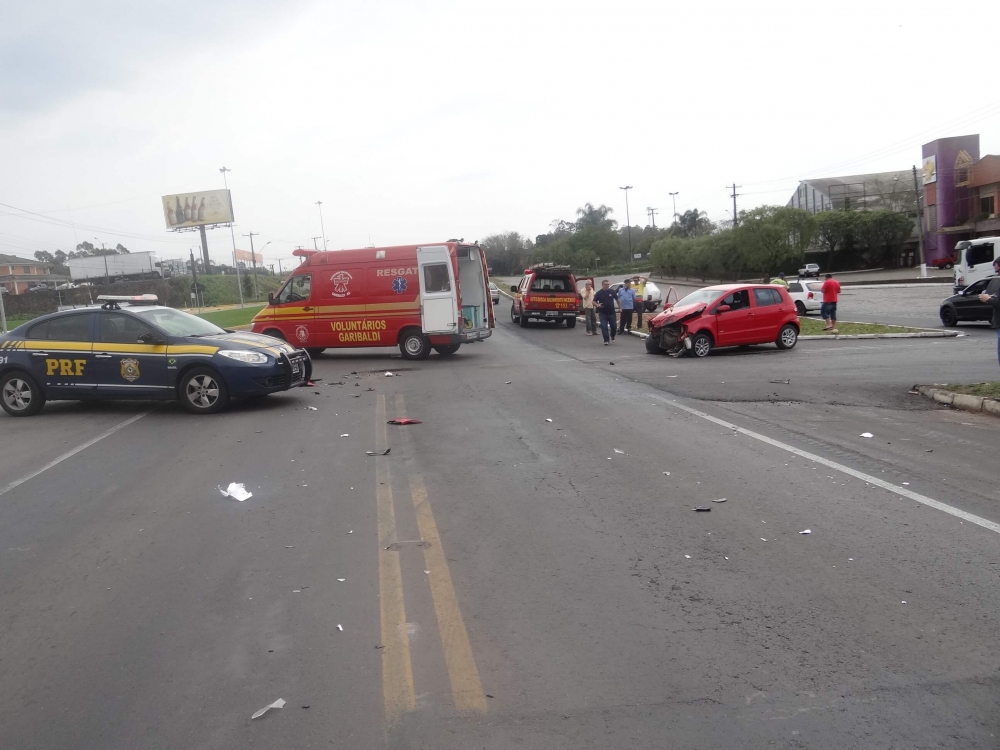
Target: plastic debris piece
[904, 602]
[390, 375]
[296, 591]
[688, 556]
[404, 421]
[312, 408]
[340, 627]
[508, 382]
[341, 579]
[618, 451]
[346, 435]
[351, 531]
[763, 539]
[548, 420]
[277, 704]
[905, 482]
[427, 572]
[866, 435]
[702, 509]
[781, 382]
[386, 451]
[237, 491]
[289, 546]
[305, 707]
[666, 473]
[369, 453]
[806, 531]
[720, 500]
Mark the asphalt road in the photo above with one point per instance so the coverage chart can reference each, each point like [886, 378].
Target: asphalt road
[511, 581]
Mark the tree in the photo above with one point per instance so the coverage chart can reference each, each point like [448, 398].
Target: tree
[692, 223]
[835, 232]
[86, 249]
[506, 252]
[881, 234]
[774, 236]
[589, 216]
[892, 194]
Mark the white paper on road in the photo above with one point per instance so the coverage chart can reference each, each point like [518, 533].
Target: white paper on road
[237, 491]
[390, 375]
[312, 408]
[345, 435]
[720, 500]
[807, 531]
[277, 704]
[616, 450]
[867, 435]
[548, 420]
[340, 627]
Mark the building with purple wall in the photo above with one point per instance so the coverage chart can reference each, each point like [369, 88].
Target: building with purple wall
[947, 164]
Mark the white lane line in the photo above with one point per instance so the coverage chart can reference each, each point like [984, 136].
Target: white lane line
[936, 504]
[73, 452]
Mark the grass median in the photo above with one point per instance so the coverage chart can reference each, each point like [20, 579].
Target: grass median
[812, 327]
[989, 390]
[233, 317]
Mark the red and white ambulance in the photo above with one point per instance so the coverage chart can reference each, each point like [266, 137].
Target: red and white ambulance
[416, 297]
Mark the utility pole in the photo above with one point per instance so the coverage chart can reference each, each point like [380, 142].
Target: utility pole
[236, 263]
[279, 267]
[735, 194]
[920, 219]
[652, 215]
[194, 276]
[320, 204]
[314, 241]
[3, 314]
[253, 259]
[628, 221]
[673, 197]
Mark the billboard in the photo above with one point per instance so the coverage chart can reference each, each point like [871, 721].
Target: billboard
[195, 209]
[247, 256]
[930, 169]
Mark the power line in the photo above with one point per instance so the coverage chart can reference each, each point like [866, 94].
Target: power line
[62, 223]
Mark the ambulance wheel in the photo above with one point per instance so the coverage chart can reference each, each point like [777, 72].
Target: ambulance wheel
[447, 349]
[571, 322]
[316, 351]
[414, 345]
[20, 395]
[522, 320]
[203, 391]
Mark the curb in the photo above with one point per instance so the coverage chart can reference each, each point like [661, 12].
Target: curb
[963, 401]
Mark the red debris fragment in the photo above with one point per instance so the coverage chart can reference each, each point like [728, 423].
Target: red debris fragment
[404, 420]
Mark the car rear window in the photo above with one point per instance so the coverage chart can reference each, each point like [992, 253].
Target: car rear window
[794, 287]
[551, 284]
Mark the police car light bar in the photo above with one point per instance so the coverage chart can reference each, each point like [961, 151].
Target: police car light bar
[128, 298]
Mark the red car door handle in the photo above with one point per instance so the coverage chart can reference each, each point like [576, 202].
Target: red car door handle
[307, 309]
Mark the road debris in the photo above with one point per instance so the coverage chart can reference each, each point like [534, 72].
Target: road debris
[404, 421]
[237, 491]
[702, 509]
[763, 539]
[345, 435]
[296, 591]
[508, 382]
[720, 500]
[780, 382]
[548, 420]
[390, 375]
[369, 453]
[312, 408]
[806, 531]
[351, 531]
[277, 704]
[289, 546]
[688, 556]
[866, 435]
[666, 473]
[618, 451]
[386, 451]
[341, 579]
[340, 627]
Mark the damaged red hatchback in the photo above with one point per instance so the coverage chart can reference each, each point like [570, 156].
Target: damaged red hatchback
[725, 315]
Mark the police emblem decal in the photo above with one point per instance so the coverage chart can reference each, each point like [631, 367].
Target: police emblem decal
[399, 285]
[130, 370]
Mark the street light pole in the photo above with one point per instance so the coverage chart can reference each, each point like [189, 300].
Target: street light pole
[236, 263]
[673, 197]
[320, 204]
[628, 221]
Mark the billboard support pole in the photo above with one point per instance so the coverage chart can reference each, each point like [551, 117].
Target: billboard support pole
[204, 249]
[3, 314]
[236, 263]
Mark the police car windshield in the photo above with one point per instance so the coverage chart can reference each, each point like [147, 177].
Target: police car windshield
[178, 323]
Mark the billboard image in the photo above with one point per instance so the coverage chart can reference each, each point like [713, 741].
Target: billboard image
[194, 209]
[246, 255]
[930, 169]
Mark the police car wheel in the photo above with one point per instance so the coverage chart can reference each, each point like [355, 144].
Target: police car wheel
[20, 395]
[203, 391]
[414, 345]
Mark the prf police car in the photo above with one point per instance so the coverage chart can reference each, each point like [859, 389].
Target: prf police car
[140, 351]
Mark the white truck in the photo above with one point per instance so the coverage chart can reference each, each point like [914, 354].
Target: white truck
[124, 267]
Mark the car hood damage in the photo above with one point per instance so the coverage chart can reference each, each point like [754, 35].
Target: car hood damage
[667, 329]
[679, 314]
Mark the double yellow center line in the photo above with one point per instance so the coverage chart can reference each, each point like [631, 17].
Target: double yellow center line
[397, 670]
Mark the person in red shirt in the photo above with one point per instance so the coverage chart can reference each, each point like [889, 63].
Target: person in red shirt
[831, 291]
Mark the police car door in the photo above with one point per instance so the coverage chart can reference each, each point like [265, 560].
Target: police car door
[438, 291]
[130, 358]
[58, 354]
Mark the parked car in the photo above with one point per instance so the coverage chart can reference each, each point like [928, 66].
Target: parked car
[946, 262]
[807, 295]
[966, 306]
[495, 293]
[725, 315]
[38, 288]
[546, 292]
[810, 269]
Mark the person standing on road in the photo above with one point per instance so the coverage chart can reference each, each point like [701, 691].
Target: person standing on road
[993, 300]
[640, 299]
[605, 301]
[780, 279]
[589, 314]
[831, 291]
[626, 300]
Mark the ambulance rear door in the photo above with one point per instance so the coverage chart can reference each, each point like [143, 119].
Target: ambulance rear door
[438, 290]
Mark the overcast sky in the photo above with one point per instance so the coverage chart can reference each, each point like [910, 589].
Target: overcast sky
[419, 121]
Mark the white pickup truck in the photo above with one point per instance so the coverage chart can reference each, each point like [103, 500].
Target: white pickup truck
[810, 269]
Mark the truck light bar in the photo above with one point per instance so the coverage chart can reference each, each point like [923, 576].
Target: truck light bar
[111, 301]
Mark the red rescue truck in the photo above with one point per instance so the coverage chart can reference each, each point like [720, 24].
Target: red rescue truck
[416, 297]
